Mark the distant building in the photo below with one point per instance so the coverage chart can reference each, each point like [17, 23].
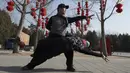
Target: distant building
[24, 35]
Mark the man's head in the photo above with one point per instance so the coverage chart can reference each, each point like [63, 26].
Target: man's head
[62, 9]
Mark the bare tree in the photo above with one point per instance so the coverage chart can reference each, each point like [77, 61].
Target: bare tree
[102, 18]
[21, 6]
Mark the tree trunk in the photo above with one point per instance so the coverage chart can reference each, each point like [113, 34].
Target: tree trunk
[104, 49]
[20, 28]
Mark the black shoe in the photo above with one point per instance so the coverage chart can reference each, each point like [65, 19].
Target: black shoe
[71, 69]
[32, 55]
[26, 68]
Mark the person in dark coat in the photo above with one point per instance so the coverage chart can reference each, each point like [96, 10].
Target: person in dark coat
[57, 42]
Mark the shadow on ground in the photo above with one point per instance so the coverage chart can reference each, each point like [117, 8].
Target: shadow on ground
[17, 69]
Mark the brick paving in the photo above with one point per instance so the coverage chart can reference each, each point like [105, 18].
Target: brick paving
[12, 63]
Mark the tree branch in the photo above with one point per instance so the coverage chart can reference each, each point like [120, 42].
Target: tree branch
[17, 7]
[19, 2]
[40, 7]
[98, 17]
[112, 10]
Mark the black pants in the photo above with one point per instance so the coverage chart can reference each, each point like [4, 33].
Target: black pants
[51, 47]
[68, 54]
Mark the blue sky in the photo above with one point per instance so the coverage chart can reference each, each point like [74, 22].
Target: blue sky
[117, 23]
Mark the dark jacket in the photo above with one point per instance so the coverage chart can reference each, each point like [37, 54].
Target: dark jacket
[57, 23]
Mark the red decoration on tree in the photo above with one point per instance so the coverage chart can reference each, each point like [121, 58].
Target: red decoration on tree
[44, 2]
[82, 13]
[46, 20]
[43, 11]
[77, 24]
[119, 5]
[79, 6]
[11, 3]
[42, 25]
[33, 13]
[88, 21]
[85, 27]
[33, 9]
[86, 4]
[34, 17]
[39, 22]
[103, 3]
[78, 11]
[119, 8]
[10, 6]
[46, 33]
[37, 4]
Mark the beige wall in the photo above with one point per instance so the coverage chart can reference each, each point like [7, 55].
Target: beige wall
[25, 38]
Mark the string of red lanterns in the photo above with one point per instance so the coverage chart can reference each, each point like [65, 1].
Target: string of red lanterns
[43, 13]
[82, 14]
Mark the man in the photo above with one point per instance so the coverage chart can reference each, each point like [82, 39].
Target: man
[57, 42]
[57, 26]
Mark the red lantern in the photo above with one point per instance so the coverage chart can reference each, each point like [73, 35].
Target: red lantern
[42, 25]
[33, 13]
[46, 33]
[79, 5]
[11, 3]
[119, 10]
[34, 17]
[33, 9]
[88, 21]
[44, 2]
[82, 13]
[86, 3]
[77, 24]
[43, 11]
[37, 4]
[119, 5]
[85, 27]
[10, 8]
[39, 22]
[78, 11]
[47, 20]
[87, 14]
[103, 3]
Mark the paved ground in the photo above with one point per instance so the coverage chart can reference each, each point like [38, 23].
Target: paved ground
[12, 63]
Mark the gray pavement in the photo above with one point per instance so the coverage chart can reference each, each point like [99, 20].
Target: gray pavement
[12, 63]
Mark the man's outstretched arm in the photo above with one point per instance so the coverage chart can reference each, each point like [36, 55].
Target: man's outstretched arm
[74, 19]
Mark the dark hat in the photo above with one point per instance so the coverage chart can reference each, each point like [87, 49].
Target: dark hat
[63, 6]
